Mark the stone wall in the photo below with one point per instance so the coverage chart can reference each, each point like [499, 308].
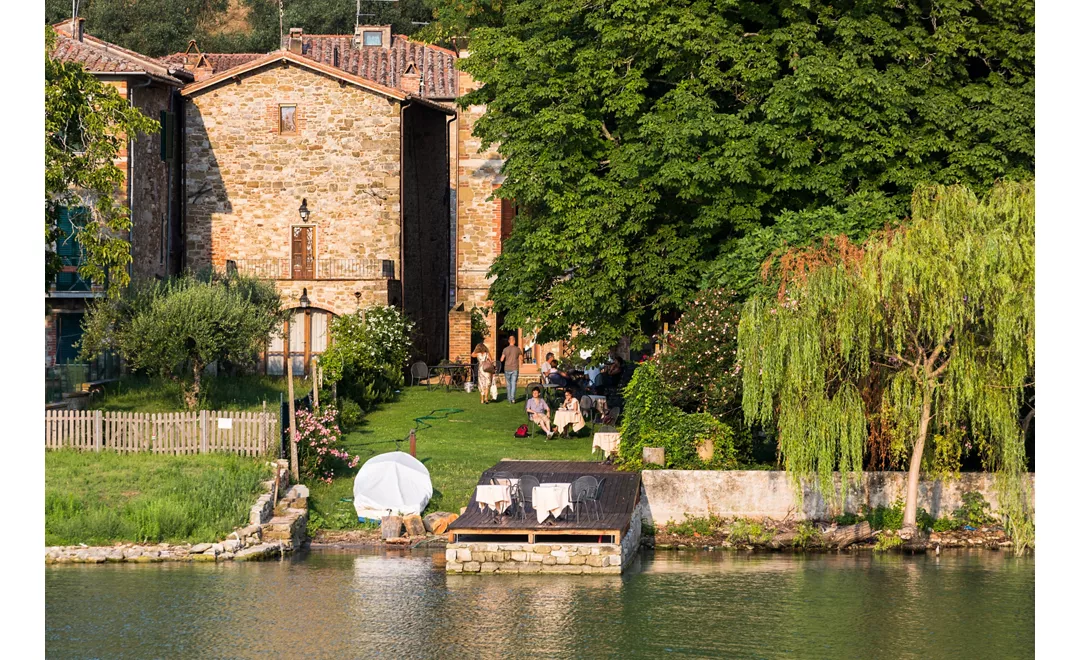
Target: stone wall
[246, 180]
[575, 558]
[672, 495]
[556, 557]
[479, 215]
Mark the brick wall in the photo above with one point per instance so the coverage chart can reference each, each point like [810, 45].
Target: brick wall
[50, 339]
[245, 180]
[478, 215]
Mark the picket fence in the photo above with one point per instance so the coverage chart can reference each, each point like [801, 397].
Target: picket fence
[245, 433]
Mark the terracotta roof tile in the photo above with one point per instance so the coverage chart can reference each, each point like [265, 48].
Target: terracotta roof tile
[375, 63]
[99, 56]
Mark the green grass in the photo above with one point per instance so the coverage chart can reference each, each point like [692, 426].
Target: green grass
[240, 393]
[456, 450]
[102, 498]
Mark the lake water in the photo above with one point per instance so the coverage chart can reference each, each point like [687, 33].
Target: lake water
[961, 604]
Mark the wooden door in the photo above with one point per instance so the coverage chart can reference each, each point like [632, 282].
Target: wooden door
[303, 253]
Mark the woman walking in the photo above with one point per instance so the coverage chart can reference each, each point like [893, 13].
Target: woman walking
[485, 372]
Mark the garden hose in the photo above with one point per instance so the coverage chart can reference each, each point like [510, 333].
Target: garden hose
[446, 412]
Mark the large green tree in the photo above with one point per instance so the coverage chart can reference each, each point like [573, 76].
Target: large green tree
[929, 327]
[86, 125]
[654, 144]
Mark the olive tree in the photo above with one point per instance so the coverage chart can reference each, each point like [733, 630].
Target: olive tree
[179, 326]
[937, 313]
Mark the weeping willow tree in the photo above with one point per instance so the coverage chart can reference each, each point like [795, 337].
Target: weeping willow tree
[926, 330]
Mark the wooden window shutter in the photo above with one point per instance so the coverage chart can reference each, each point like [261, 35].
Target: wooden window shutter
[509, 212]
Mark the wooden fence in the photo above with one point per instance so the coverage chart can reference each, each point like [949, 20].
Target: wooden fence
[246, 433]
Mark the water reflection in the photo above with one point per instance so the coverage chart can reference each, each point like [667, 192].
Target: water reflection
[344, 604]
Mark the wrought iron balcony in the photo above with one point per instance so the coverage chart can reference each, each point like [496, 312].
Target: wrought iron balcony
[325, 269]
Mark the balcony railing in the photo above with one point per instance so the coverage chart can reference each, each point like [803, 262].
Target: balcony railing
[325, 269]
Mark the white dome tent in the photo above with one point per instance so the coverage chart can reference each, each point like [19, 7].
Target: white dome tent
[391, 483]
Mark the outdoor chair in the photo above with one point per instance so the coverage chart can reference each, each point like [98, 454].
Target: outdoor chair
[419, 372]
[593, 499]
[524, 493]
[495, 477]
[588, 409]
[579, 491]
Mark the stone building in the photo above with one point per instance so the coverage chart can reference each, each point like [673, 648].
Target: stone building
[151, 187]
[334, 185]
[478, 220]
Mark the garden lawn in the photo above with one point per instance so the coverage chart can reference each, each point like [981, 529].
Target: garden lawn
[456, 450]
[102, 498]
[239, 393]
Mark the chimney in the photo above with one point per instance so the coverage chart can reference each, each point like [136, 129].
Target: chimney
[371, 36]
[78, 28]
[411, 82]
[296, 41]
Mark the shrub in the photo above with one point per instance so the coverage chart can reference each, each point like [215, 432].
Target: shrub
[651, 420]
[367, 354]
[887, 542]
[351, 414]
[945, 524]
[892, 517]
[806, 535]
[974, 510]
[317, 442]
[691, 525]
[747, 531]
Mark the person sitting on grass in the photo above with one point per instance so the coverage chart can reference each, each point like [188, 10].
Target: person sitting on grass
[569, 415]
[538, 411]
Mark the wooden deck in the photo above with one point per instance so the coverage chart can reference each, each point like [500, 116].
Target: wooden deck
[617, 500]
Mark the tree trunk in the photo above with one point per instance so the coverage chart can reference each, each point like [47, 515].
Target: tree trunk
[911, 499]
[191, 396]
[845, 536]
[293, 461]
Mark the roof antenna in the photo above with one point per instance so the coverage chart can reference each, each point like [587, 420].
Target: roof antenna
[74, 15]
[281, 23]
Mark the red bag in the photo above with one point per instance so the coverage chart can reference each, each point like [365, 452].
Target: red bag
[522, 431]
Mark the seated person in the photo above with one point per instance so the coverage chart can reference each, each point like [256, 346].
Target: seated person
[569, 415]
[554, 375]
[538, 411]
[545, 367]
[612, 374]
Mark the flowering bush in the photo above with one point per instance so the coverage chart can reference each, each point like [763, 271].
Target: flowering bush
[698, 364]
[317, 445]
[367, 354]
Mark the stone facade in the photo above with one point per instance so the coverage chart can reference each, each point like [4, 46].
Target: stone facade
[246, 180]
[150, 181]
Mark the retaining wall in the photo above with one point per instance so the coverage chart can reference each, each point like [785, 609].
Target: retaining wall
[672, 495]
[573, 558]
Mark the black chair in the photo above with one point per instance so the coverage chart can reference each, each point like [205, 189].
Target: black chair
[419, 371]
[524, 492]
[580, 490]
[496, 476]
[593, 499]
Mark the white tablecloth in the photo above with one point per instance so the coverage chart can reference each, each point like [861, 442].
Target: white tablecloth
[608, 442]
[495, 496]
[550, 500]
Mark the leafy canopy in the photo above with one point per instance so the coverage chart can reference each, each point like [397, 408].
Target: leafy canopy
[938, 313]
[86, 125]
[654, 144]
